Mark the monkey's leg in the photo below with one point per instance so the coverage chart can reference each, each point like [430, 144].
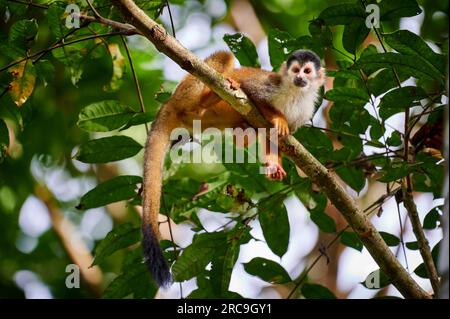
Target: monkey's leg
[274, 168]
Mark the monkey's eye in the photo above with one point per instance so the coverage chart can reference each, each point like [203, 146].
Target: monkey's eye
[307, 71]
[295, 69]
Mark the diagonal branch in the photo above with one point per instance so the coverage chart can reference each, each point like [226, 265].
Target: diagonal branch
[289, 145]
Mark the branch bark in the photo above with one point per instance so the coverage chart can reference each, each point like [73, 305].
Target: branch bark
[289, 145]
[422, 241]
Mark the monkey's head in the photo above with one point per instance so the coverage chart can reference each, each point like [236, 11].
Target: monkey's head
[304, 70]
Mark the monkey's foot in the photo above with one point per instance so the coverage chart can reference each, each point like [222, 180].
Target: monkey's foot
[281, 125]
[233, 84]
[275, 171]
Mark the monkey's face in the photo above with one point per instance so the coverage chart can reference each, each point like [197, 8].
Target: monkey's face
[306, 76]
[303, 69]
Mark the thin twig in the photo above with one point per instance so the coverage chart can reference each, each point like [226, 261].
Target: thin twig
[72, 31]
[135, 79]
[313, 264]
[60, 45]
[126, 29]
[402, 241]
[30, 3]
[171, 19]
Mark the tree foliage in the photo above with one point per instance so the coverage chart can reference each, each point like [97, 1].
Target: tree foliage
[62, 89]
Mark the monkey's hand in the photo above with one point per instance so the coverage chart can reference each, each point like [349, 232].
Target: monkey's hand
[281, 125]
[275, 171]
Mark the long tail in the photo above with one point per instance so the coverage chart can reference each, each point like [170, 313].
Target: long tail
[157, 145]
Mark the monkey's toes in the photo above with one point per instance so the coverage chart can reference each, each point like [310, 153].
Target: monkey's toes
[233, 84]
[275, 171]
[282, 127]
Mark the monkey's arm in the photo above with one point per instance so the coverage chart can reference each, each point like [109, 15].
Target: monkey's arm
[260, 88]
[275, 117]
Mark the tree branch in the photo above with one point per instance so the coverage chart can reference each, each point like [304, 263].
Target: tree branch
[422, 241]
[75, 248]
[289, 145]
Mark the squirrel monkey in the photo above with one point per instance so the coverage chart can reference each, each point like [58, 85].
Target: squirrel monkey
[286, 99]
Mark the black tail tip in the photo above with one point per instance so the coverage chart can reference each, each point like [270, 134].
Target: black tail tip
[154, 258]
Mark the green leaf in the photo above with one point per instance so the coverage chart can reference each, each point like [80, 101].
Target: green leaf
[275, 225]
[321, 33]
[4, 140]
[22, 33]
[413, 245]
[316, 141]
[314, 202]
[390, 10]
[135, 280]
[432, 219]
[353, 176]
[409, 63]
[243, 48]
[108, 149]
[390, 240]
[138, 119]
[421, 270]
[281, 44]
[207, 290]
[324, 222]
[196, 256]
[355, 96]
[9, 50]
[395, 139]
[396, 171]
[225, 258]
[56, 20]
[163, 97]
[399, 99]
[385, 80]
[340, 115]
[315, 291]
[116, 189]
[104, 116]
[342, 14]
[368, 69]
[120, 237]
[353, 143]
[345, 74]
[351, 239]
[45, 71]
[23, 83]
[151, 5]
[408, 43]
[376, 280]
[267, 270]
[354, 34]
[430, 177]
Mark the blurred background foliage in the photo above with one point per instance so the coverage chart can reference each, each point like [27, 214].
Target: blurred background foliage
[38, 162]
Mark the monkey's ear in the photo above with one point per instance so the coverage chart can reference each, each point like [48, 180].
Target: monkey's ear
[321, 76]
[275, 79]
[283, 69]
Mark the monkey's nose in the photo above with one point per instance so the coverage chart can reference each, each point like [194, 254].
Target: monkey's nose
[298, 81]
